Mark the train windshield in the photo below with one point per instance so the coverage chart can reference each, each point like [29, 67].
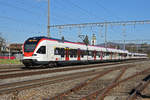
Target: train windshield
[29, 47]
[30, 44]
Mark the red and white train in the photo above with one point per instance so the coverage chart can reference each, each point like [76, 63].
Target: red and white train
[49, 51]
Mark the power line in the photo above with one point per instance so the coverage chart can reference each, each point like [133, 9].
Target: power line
[62, 7]
[97, 2]
[31, 5]
[82, 25]
[19, 8]
[145, 40]
[9, 18]
[83, 10]
[55, 15]
[19, 21]
[103, 23]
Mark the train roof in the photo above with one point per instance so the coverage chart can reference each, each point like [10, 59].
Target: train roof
[142, 54]
[43, 37]
[105, 49]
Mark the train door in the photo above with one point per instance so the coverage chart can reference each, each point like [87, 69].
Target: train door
[101, 55]
[111, 55]
[78, 58]
[67, 54]
[115, 55]
[94, 54]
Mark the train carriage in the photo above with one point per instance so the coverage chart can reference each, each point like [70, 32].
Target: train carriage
[49, 51]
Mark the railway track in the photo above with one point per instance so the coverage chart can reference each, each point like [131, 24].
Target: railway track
[83, 91]
[14, 73]
[13, 68]
[139, 88]
[24, 73]
[84, 88]
[12, 87]
[15, 87]
[35, 69]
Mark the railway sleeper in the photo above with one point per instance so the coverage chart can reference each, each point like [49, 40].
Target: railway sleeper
[75, 97]
[140, 88]
[141, 95]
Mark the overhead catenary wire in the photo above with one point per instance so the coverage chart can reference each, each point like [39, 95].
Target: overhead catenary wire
[110, 13]
[103, 23]
[86, 12]
[19, 8]
[28, 11]
[62, 6]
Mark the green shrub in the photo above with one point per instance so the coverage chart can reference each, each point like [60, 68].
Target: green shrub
[9, 61]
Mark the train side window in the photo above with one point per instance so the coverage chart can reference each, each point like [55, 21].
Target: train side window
[104, 54]
[71, 53]
[42, 50]
[87, 52]
[107, 53]
[75, 53]
[98, 53]
[82, 53]
[125, 55]
[56, 52]
[62, 52]
[93, 53]
[90, 53]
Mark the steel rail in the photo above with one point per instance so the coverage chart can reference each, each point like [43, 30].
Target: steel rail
[126, 79]
[80, 86]
[104, 91]
[30, 73]
[139, 88]
[95, 94]
[17, 86]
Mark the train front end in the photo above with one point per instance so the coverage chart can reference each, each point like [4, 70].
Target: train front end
[34, 52]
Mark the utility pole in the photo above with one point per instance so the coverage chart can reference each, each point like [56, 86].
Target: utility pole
[48, 25]
[124, 35]
[105, 35]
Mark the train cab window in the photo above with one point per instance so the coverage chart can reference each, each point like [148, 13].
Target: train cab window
[42, 50]
[29, 47]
